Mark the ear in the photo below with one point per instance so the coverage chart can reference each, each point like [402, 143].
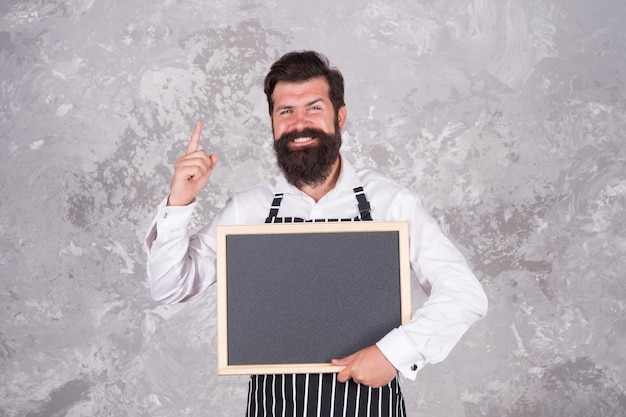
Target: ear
[341, 116]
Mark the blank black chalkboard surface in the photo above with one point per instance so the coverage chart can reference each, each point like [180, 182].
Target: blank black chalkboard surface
[292, 297]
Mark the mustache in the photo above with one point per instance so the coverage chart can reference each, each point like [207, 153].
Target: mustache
[304, 133]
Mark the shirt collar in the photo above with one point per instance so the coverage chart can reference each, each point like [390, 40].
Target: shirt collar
[348, 180]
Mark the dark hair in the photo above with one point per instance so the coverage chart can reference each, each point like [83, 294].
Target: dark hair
[301, 66]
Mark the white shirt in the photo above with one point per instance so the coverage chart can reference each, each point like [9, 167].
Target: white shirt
[182, 266]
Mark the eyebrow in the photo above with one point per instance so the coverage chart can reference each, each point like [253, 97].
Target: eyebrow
[317, 100]
[310, 103]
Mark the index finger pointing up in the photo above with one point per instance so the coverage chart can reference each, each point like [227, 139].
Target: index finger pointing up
[194, 142]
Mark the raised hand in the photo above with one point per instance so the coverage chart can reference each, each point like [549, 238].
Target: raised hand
[192, 171]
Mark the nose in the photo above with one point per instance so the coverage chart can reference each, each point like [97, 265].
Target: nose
[300, 120]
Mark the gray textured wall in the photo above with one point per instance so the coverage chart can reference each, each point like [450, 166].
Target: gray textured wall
[507, 117]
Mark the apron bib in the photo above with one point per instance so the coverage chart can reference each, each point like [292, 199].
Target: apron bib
[321, 395]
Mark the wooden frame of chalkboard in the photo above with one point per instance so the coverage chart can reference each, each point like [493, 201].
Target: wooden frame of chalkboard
[291, 297]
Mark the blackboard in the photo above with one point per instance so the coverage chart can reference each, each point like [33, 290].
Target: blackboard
[291, 297]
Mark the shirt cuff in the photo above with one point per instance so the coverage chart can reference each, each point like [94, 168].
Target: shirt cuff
[173, 217]
[399, 350]
[169, 218]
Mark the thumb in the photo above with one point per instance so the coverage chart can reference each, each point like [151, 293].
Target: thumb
[213, 159]
[343, 361]
[346, 373]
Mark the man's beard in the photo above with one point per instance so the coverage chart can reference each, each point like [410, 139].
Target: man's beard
[308, 165]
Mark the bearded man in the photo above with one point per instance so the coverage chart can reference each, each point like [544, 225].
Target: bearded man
[307, 112]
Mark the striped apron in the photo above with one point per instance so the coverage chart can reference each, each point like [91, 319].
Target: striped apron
[321, 395]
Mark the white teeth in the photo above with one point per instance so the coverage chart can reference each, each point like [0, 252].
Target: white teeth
[302, 140]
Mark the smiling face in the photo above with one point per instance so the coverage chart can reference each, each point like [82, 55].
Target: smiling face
[307, 131]
[304, 105]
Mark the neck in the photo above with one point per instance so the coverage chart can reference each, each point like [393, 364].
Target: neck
[319, 191]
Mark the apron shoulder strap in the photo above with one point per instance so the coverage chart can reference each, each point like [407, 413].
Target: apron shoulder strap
[273, 214]
[364, 205]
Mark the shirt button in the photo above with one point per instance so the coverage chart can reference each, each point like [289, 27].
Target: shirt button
[414, 367]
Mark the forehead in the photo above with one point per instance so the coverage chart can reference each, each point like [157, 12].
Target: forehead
[287, 91]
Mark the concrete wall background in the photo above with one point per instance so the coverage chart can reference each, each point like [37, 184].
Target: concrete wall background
[507, 117]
